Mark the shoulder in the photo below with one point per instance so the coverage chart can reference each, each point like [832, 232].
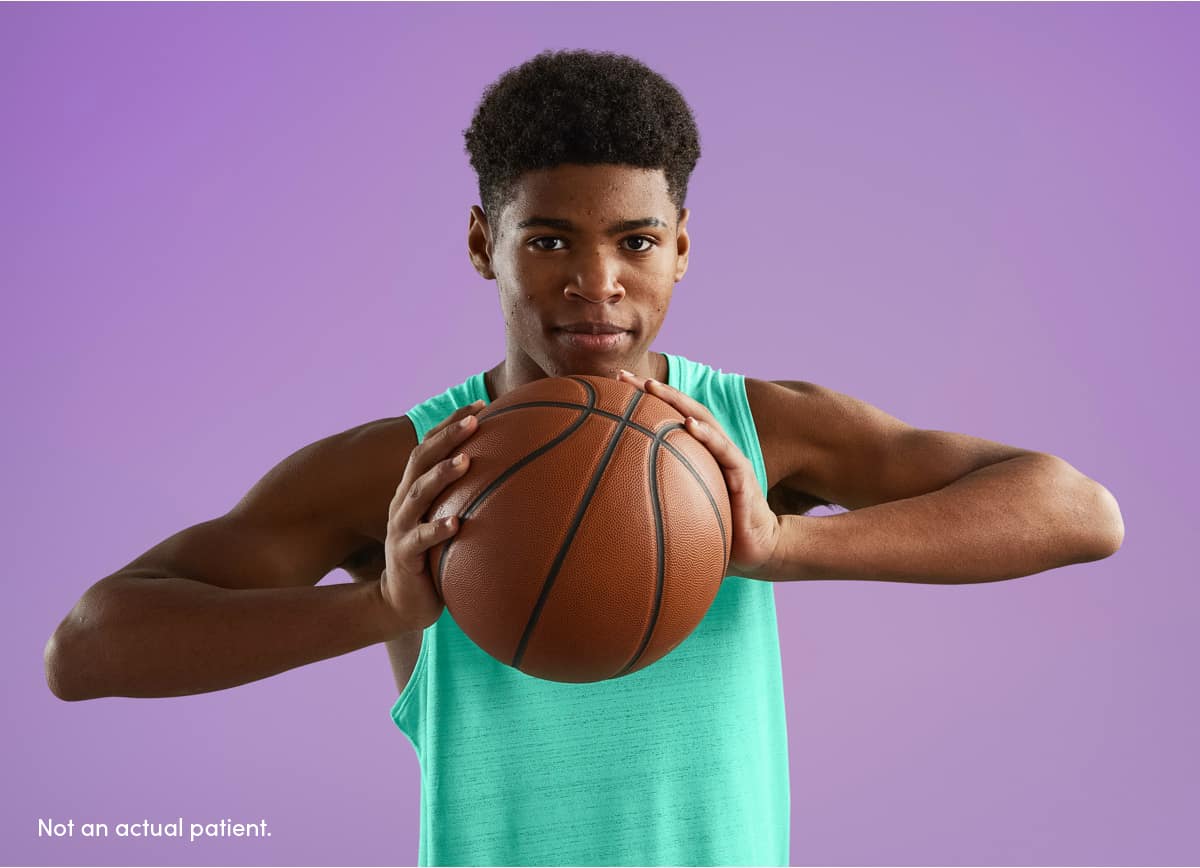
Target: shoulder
[371, 459]
[345, 480]
[817, 442]
[845, 451]
[322, 507]
[787, 415]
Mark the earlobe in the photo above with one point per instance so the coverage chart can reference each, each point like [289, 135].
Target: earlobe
[479, 243]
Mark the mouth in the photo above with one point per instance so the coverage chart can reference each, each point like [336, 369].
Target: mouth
[594, 337]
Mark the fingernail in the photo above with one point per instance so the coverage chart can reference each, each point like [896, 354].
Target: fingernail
[458, 460]
[625, 372]
[465, 421]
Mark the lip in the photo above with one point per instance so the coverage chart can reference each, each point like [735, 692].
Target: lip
[603, 342]
[592, 327]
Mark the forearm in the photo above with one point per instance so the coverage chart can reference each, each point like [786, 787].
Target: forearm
[171, 636]
[1006, 520]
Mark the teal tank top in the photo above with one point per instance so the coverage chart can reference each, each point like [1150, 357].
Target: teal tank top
[684, 762]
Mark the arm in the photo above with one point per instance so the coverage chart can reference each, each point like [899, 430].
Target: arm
[231, 600]
[926, 506]
[153, 633]
[1016, 517]
[228, 601]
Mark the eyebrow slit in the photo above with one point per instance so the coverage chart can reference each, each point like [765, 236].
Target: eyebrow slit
[613, 229]
[551, 222]
[629, 225]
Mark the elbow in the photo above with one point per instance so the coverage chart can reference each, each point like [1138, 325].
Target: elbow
[1090, 517]
[69, 658]
[1108, 524]
[58, 669]
[1114, 521]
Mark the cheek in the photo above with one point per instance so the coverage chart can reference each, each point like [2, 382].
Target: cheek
[519, 307]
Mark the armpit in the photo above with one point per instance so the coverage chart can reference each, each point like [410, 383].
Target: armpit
[788, 501]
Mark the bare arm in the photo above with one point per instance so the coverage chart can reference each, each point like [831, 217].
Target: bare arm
[232, 600]
[153, 634]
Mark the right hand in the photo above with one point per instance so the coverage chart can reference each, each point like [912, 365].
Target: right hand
[406, 583]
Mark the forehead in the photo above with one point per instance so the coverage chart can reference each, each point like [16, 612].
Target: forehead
[590, 194]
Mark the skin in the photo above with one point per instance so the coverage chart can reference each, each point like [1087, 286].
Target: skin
[547, 275]
[558, 253]
[926, 506]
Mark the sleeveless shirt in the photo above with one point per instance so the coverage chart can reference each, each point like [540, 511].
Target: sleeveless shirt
[684, 762]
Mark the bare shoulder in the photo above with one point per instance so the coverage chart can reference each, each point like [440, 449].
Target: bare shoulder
[789, 416]
[322, 507]
[842, 450]
[349, 478]
[803, 428]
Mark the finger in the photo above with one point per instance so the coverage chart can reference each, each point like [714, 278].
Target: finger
[685, 404]
[717, 442]
[426, 488]
[454, 417]
[420, 486]
[631, 378]
[439, 444]
[657, 388]
[731, 459]
[634, 380]
[423, 537]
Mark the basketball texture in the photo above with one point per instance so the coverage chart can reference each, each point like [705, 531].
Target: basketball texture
[594, 530]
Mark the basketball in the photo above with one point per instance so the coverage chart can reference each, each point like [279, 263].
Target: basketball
[594, 530]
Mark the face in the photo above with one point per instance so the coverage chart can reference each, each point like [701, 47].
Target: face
[585, 259]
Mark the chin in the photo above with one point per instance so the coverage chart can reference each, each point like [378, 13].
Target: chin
[591, 369]
[604, 364]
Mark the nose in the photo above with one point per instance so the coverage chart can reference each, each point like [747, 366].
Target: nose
[595, 279]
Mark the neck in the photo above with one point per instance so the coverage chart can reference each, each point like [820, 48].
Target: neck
[506, 376]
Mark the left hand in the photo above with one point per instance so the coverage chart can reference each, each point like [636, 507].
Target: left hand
[756, 529]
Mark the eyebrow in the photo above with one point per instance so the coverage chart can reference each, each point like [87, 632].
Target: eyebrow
[612, 229]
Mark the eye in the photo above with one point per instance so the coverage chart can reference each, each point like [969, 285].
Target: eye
[539, 242]
[645, 243]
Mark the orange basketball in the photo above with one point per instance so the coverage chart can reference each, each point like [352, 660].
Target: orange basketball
[594, 530]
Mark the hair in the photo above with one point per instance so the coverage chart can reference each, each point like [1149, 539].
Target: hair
[580, 107]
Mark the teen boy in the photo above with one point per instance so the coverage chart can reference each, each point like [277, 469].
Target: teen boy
[583, 163]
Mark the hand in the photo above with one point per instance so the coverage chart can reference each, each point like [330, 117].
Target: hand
[756, 529]
[407, 584]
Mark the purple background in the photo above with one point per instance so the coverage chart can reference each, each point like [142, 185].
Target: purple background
[231, 230]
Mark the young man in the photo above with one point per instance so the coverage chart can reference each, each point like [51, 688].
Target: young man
[583, 163]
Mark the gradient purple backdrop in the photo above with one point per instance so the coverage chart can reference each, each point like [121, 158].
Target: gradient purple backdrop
[231, 230]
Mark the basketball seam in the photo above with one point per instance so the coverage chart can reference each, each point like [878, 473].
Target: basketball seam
[660, 555]
[499, 480]
[703, 487]
[580, 511]
[644, 430]
[624, 422]
[636, 426]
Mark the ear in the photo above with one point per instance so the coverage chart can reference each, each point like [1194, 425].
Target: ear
[479, 243]
[683, 244]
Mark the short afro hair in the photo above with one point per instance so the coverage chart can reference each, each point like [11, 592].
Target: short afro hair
[580, 107]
